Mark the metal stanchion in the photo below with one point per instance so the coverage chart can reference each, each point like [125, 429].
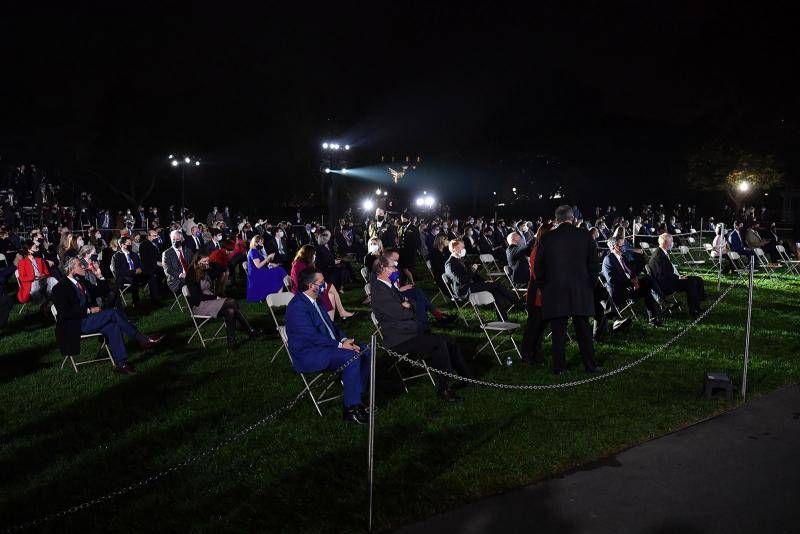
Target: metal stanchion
[373, 349]
[747, 330]
[719, 259]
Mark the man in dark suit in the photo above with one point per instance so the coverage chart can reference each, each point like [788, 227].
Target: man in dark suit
[404, 333]
[279, 245]
[669, 280]
[127, 267]
[466, 281]
[623, 284]
[317, 344]
[518, 256]
[176, 261]
[75, 316]
[194, 242]
[151, 265]
[566, 269]
[736, 240]
[382, 229]
[409, 241]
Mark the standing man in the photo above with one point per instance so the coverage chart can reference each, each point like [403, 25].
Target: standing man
[150, 255]
[382, 229]
[408, 238]
[566, 269]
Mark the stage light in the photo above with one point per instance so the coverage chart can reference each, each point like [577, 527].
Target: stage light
[420, 202]
[494, 193]
[429, 201]
[171, 156]
[385, 193]
[327, 170]
[514, 189]
[344, 171]
[347, 147]
[424, 192]
[368, 205]
[187, 160]
[377, 191]
[335, 147]
[174, 162]
[744, 186]
[196, 163]
[325, 146]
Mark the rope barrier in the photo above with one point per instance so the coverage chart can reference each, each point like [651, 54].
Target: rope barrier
[574, 383]
[161, 474]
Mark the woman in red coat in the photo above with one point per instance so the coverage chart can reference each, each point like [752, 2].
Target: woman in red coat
[534, 329]
[35, 282]
[330, 298]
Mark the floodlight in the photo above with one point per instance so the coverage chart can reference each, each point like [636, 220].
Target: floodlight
[325, 146]
[171, 156]
[420, 202]
[368, 205]
[378, 191]
[429, 201]
[344, 171]
[174, 162]
[744, 186]
[385, 193]
[196, 163]
[347, 147]
[327, 170]
[187, 160]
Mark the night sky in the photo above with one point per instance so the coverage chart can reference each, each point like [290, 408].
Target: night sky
[616, 96]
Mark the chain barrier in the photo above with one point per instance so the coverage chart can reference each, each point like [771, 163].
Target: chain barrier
[564, 385]
[161, 474]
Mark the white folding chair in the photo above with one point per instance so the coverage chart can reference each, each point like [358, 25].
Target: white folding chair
[490, 266]
[713, 256]
[276, 301]
[3, 259]
[19, 286]
[790, 264]
[396, 364]
[368, 290]
[688, 259]
[176, 303]
[438, 289]
[124, 288]
[365, 274]
[628, 307]
[484, 298]
[103, 345]
[765, 264]
[514, 288]
[203, 319]
[739, 267]
[460, 304]
[311, 386]
[287, 283]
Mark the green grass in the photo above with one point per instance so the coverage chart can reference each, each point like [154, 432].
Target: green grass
[68, 438]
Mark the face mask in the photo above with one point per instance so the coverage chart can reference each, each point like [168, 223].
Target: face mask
[177, 244]
[98, 236]
[379, 218]
[394, 277]
[321, 288]
[394, 263]
[80, 243]
[373, 248]
[93, 257]
[435, 231]
[462, 253]
[308, 228]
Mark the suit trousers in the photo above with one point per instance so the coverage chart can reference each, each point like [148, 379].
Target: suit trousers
[112, 324]
[504, 297]
[695, 291]
[442, 353]
[645, 291]
[584, 335]
[355, 377]
[422, 305]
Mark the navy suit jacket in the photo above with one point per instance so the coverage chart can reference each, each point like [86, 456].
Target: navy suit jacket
[735, 239]
[310, 344]
[617, 283]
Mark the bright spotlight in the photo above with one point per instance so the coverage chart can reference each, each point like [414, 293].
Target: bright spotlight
[327, 170]
[744, 186]
[171, 156]
[174, 162]
[347, 147]
[325, 146]
[420, 202]
[367, 205]
[424, 192]
[429, 201]
[377, 191]
[385, 193]
[514, 189]
[344, 171]
[494, 193]
[196, 163]
[335, 147]
[187, 160]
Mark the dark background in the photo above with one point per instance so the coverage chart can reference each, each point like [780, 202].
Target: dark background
[605, 101]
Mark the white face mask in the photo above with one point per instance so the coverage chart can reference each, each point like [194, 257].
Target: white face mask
[373, 248]
[462, 253]
[394, 263]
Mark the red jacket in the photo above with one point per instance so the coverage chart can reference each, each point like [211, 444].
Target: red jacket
[27, 276]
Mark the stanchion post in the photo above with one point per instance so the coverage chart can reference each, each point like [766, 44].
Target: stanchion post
[747, 329]
[373, 349]
[719, 259]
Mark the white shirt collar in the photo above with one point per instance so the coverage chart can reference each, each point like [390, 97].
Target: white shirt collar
[385, 282]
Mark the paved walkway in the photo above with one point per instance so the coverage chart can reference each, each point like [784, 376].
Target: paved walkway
[739, 472]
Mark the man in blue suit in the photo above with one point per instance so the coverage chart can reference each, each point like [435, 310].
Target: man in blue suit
[736, 240]
[76, 314]
[316, 344]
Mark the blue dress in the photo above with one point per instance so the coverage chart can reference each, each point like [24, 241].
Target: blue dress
[264, 281]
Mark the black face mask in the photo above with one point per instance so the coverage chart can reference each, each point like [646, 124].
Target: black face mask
[379, 218]
[177, 244]
[93, 257]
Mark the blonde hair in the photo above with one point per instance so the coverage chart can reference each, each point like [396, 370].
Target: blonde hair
[453, 244]
[255, 240]
[663, 238]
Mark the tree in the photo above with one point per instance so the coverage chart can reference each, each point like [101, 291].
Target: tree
[721, 167]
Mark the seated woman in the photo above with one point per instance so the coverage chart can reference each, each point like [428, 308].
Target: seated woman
[437, 257]
[336, 271]
[263, 276]
[101, 288]
[204, 302]
[374, 251]
[304, 259]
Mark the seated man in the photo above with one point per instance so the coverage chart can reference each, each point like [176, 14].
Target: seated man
[128, 270]
[466, 281]
[175, 261]
[36, 284]
[317, 344]
[402, 331]
[669, 280]
[622, 283]
[518, 256]
[75, 316]
[736, 240]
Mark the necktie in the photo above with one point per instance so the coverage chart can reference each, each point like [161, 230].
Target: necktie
[130, 261]
[183, 261]
[624, 267]
[319, 311]
[81, 290]
[280, 246]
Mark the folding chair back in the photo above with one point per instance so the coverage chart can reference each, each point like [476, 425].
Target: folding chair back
[365, 274]
[19, 286]
[312, 385]
[764, 263]
[484, 298]
[71, 357]
[203, 319]
[688, 259]
[244, 266]
[490, 266]
[438, 289]
[287, 283]
[790, 264]
[662, 296]
[459, 304]
[3, 259]
[276, 301]
[368, 290]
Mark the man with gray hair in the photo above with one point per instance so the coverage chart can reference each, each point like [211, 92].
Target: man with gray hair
[77, 315]
[175, 261]
[669, 280]
[566, 269]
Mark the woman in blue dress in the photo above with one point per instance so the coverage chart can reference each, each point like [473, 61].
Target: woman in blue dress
[263, 276]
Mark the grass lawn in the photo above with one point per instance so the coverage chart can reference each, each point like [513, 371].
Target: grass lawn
[68, 438]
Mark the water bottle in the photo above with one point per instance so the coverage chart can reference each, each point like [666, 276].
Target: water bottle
[509, 361]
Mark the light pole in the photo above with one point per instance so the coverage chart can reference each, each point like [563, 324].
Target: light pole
[333, 158]
[183, 161]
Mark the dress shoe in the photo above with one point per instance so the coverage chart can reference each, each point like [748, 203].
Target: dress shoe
[622, 323]
[355, 414]
[152, 341]
[448, 395]
[125, 369]
[366, 407]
